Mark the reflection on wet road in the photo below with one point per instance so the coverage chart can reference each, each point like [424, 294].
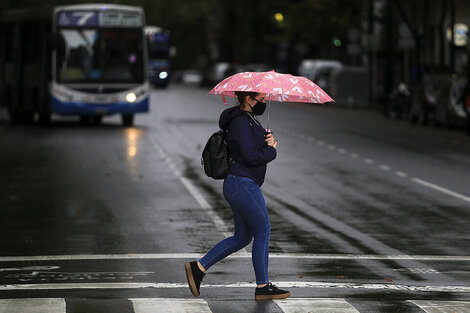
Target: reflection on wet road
[367, 214]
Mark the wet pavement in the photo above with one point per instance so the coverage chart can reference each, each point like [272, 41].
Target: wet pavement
[367, 214]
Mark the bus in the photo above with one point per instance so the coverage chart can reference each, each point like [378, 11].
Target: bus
[158, 42]
[88, 60]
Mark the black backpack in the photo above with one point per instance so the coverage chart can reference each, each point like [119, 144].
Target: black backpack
[215, 157]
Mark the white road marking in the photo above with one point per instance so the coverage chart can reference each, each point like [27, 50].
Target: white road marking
[442, 306]
[385, 167]
[369, 161]
[170, 305]
[320, 305]
[242, 255]
[298, 284]
[398, 173]
[311, 139]
[441, 189]
[29, 268]
[418, 270]
[32, 305]
[218, 221]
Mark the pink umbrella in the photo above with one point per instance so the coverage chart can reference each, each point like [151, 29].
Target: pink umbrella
[277, 86]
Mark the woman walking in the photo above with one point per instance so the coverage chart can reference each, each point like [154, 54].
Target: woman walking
[251, 149]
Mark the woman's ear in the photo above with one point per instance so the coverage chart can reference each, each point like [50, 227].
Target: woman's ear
[247, 98]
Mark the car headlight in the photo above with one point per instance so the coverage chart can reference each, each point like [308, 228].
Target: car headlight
[131, 97]
[163, 75]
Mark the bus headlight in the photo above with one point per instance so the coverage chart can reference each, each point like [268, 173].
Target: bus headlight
[131, 97]
[163, 75]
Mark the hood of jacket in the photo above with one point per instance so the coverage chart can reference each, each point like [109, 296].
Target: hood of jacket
[228, 115]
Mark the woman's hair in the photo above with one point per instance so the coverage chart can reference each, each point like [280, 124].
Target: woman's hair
[241, 95]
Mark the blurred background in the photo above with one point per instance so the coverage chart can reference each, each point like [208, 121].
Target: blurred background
[398, 56]
[368, 197]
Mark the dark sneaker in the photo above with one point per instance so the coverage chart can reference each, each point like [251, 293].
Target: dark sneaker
[194, 276]
[270, 292]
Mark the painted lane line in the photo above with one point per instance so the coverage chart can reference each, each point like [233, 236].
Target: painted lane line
[369, 161]
[242, 255]
[342, 151]
[442, 306]
[285, 284]
[320, 305]
[219, 223]
[419, 270]
[216, 219]
[311, 139]
[441, 189]
[401, 174]
[385, 167]
[170, 305]
[397, 173]
[32, 305]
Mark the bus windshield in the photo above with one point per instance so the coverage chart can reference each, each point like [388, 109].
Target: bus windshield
[100, 56]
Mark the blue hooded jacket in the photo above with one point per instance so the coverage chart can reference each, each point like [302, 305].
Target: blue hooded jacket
[245, 140]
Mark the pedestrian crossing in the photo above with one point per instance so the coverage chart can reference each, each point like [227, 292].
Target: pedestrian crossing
[179, 305]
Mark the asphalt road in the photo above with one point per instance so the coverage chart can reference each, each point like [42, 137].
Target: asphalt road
[367, 214]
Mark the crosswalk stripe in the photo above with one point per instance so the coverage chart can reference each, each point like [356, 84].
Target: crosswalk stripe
[32, 305]
[243, 255]
[170, 305]
[282, 284]
[315, 305]
[442, 306]
[180, 305]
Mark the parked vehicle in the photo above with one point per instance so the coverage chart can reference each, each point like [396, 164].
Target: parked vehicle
[217, 72]
[438, 101]
[319, 71]
[256, 67]
[349, 86]
[192, 77]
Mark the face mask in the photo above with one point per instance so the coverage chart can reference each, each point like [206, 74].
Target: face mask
[258, 108]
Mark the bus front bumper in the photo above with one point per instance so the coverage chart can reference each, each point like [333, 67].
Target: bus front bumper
[85, 108]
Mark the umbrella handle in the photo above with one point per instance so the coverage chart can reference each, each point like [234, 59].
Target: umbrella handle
[269, 109]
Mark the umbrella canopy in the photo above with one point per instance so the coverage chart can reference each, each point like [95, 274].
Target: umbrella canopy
[277, 86]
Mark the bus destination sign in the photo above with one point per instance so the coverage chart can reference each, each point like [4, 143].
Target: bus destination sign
[120, 19]
[98, 19]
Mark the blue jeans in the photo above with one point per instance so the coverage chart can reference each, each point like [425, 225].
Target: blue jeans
[251, 219]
